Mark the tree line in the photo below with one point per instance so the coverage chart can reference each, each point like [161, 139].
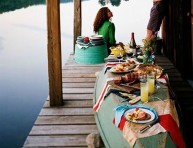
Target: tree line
[11, 5]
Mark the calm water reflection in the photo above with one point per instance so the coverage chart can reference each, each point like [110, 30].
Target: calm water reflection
[23, 58]
[23, 74]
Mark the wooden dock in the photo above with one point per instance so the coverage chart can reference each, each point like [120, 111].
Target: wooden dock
[68, 126]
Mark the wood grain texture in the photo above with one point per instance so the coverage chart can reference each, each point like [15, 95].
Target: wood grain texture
[63, 141]
[54, 53]
[77, 20]
[68, 125]
[62, 130]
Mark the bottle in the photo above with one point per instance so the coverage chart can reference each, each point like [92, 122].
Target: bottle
[132, 44]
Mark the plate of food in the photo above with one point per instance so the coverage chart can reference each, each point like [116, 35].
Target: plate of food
[139, 115]
[143, 69]
[123, 67]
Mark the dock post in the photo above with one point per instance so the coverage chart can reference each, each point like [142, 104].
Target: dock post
[54, 53]
[77, 21]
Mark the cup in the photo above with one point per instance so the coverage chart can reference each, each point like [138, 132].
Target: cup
[144, 91]
[151, 83]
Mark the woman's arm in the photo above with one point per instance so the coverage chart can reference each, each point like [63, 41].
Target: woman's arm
[112, 40]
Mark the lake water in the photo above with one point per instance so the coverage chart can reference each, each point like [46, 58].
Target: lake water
[23, 57]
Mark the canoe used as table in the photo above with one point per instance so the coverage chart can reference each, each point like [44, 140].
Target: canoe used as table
[110, 134]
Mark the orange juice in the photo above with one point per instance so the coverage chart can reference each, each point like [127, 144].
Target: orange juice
[151, 83]
[144, 92]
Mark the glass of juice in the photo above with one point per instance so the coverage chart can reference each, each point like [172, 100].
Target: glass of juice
[151, 83]
[144, 91]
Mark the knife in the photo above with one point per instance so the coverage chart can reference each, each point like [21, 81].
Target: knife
[148, 126]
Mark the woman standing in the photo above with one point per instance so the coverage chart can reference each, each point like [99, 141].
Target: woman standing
[103, 26]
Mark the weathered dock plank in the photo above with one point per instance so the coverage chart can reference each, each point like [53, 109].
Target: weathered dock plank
[76, 103]
[84, 80]
[78, 75]
[66, 111]
[82, 85]
[77, 96]
[78, 90]
[67, 141]
[62, 130]
[64, 120]
[67, 126]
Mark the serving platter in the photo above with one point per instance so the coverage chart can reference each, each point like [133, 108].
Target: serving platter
[143, 69]
[113, 70]
[124, 67]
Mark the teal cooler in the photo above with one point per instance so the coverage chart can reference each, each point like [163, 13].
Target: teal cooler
[91, 54]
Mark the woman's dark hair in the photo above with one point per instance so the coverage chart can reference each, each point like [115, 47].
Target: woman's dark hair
[101, 17]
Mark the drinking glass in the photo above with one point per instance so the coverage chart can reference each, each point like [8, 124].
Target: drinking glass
[119, 55]
[144, 91]
[129, 54]
[151, 83]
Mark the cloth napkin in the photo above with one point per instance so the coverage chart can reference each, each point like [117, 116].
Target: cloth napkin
[101, 98]
[111, 64]
[168, 123]
[162, 79]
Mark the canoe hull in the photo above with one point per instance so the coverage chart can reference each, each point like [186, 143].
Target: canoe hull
[113, 136]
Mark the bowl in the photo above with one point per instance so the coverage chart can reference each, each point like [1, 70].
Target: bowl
[116, 50]
[139, 58]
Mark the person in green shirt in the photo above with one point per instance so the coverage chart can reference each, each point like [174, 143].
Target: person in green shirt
[103, 26]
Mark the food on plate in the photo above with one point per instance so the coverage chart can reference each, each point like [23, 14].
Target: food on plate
[117, 50]
[117, 80]
[127, 78]
[138, 115]
[143, 69]
[130, 77]
[124, 67]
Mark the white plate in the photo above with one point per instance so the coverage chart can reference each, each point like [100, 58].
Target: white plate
[80, 37]
[96, 37]
[140, 121]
